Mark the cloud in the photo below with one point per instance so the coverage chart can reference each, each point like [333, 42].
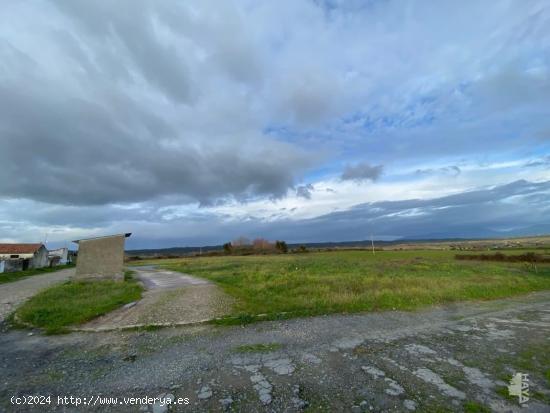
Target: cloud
[544, 162]
[362, 172]
[111, 110]
[517, 208]
[452, 170]
[304, 191]
[107, 112]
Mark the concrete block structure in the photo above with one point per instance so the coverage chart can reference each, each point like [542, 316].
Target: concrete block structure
[101, 257]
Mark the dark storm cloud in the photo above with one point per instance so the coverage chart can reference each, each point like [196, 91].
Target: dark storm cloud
[362, 172]
[114, 118]
[132, 29]
[80, 152]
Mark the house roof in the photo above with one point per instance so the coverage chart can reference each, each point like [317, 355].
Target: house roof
[126, 235]
[19, 248]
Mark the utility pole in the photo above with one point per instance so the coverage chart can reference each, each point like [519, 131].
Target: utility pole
[372, 242]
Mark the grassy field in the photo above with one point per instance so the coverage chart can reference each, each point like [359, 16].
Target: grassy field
[353, 281]
[74, 302]
[9, 277]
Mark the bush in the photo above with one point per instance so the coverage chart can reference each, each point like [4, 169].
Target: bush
[262, 244]
[529, 257]
[281, 246]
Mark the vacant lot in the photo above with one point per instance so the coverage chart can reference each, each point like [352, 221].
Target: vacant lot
[352, 281]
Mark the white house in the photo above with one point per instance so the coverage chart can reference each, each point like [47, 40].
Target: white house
[59, 256]
[18, 257]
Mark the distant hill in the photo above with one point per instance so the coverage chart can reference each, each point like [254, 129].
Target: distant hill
[521, 242]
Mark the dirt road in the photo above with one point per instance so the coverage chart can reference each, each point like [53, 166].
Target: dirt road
[13, 294]
[441, 359]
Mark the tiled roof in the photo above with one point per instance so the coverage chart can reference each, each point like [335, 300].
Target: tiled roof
[19, 248]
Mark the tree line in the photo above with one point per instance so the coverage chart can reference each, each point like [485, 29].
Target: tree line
[258, 245]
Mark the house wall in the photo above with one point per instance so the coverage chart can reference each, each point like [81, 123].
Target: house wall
[101, 258]
[9, 256]
[13, 265]
[62, 253]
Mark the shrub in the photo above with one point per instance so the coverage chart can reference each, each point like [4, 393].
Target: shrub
[529, 257]
[228, 248]
[281, 246]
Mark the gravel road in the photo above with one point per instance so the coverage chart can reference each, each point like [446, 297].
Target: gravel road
[170, 298]
[13, 294]
[439, 359]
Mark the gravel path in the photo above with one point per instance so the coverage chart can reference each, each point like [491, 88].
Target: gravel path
[163, 279]
[171, 298]
[13, 294]
[435, 360]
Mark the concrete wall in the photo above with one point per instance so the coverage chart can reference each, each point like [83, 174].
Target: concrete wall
[101, 258]
[13, 265]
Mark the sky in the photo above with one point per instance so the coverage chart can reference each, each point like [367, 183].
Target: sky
[193, 123]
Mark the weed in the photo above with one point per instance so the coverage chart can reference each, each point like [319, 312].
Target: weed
[258, 348]
[475, 407]
[129, 275]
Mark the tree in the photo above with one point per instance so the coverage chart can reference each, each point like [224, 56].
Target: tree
[281, 246]
[228, 248]
[262, 244]
[302, 248]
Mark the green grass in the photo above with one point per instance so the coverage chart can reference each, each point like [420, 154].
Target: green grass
[147, 327]
[475, 407]
[129, 275]
[74, 303]
[9, 277]
[505, 394]
[533, 359]
[291, 285]
[258, 348]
